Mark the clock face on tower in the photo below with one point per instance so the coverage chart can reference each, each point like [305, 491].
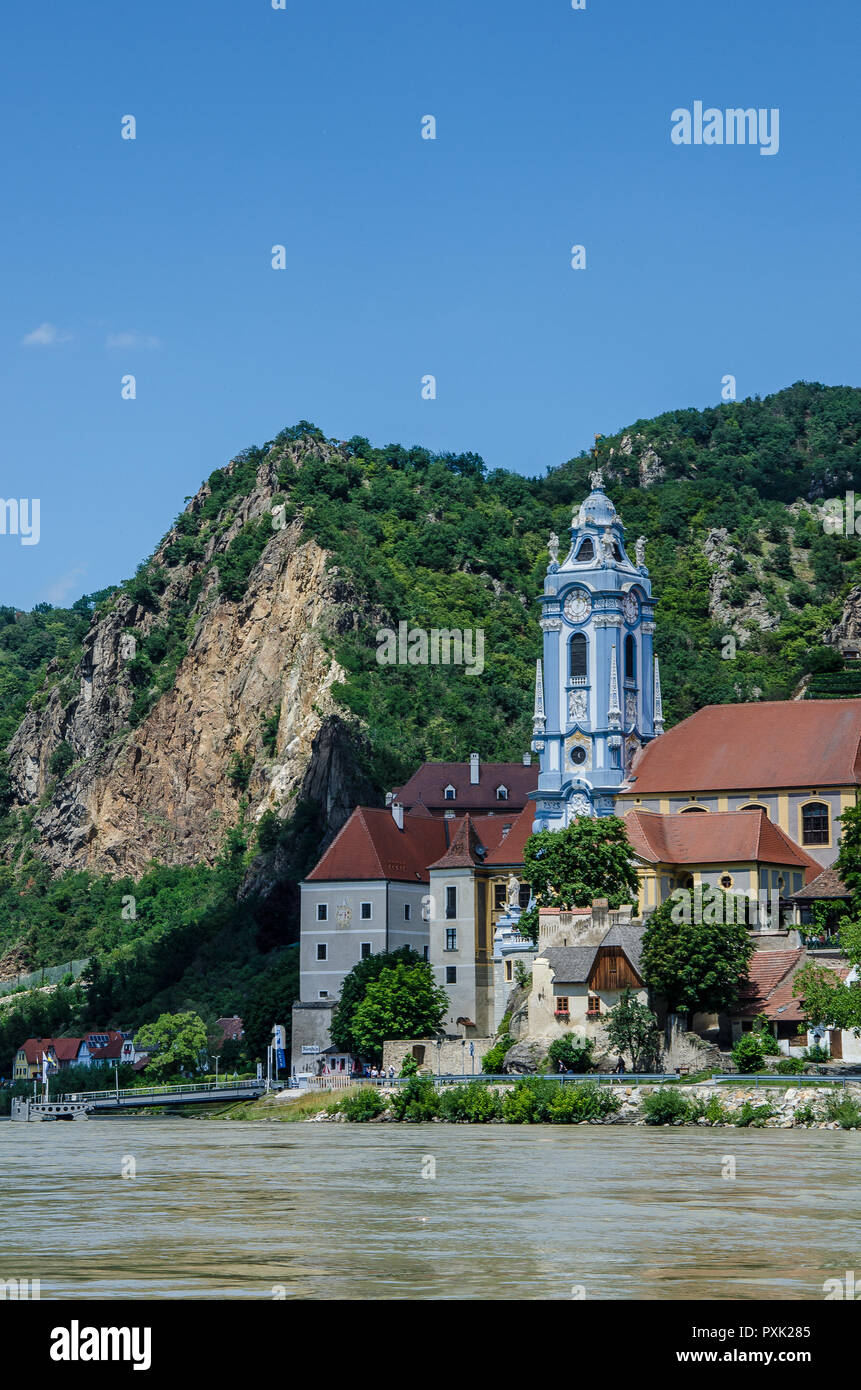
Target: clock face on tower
[630, 608]
[577, 606]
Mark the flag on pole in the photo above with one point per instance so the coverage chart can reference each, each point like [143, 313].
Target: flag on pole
[44, 1068]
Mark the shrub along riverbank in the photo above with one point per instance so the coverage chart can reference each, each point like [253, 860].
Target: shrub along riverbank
[540, 1100]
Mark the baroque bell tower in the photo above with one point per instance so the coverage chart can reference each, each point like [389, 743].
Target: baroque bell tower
[598, 689]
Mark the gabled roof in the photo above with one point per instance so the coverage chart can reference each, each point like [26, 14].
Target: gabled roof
[571, 965]
[428, 784]
[772, 743]
[826, 885]
[713, 837]
[35, 1047]
[67, 1049]
[765, 971]
[370, 846]
[510, 846]
[464, 850]
[631, 941]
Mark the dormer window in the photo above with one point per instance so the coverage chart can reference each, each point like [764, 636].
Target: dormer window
[586, 551]
[449, 793]
[502, 793]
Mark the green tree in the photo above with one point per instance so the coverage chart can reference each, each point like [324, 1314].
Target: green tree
[696, 966]
[591, 858]
[403, 1002]
[632, 1029]
[175, 1041]
[271, 1001]
[572, 1053]
[353, 992]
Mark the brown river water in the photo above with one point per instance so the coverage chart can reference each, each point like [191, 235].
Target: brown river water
[218, 1209]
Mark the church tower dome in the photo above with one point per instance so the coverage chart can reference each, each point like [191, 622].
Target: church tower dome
[597, 698]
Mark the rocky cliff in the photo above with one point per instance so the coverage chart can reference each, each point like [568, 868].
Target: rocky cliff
[171, 787]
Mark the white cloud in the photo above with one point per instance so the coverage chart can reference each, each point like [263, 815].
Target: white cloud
[46, 335]
[133, 339]
[61, 587]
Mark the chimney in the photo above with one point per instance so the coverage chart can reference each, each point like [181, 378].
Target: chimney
[527, 759]
[398, 814]
[473, 769]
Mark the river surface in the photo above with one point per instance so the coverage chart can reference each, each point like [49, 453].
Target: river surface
[219, 1209]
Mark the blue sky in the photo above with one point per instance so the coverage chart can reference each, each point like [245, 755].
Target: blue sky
[405, 256]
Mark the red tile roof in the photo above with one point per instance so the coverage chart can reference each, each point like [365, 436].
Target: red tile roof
[67, 1049]
[766, 971]
[428, 786]
[509, 849]
[370, 846]
[785, 743]
[35, 1047]
[714, 837]
[828, 884]
[463, 852]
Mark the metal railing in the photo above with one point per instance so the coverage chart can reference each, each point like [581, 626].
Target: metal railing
[136, 1092]
[774, 1078]
[626, 1078]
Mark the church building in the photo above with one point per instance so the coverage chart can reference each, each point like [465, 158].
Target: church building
[744, 797]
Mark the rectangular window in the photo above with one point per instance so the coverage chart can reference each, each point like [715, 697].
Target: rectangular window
[451, 938]
[451, 974]
[425, 952]
[509, 970]
[451, 902]
[322, 951]
[322, 912]
[407, 911]
[324, 994]
[562, 1004]
[366, 912]
[594, 1004]
[365, 949]
[499, 895]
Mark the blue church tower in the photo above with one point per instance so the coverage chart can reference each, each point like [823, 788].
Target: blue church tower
[598, 690]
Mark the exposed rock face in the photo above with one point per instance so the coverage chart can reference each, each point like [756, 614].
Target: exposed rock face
[846, 634]
[161, 790]
[524, 1058]
[650, 466]
[719, 551]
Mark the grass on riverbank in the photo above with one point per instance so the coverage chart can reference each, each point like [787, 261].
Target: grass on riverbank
[302, 1107]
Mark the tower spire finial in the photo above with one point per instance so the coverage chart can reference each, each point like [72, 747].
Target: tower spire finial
[658, 720]
[614, 713]
[538, 718]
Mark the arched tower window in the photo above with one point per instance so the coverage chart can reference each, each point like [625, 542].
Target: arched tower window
[586, 551]
[579, 656]
[630, 658]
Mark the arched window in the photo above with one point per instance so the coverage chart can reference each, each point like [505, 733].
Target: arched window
[688, 809]
[586, 551]
[579, 657]
[814, 823]
[754, 806]
[630, 658]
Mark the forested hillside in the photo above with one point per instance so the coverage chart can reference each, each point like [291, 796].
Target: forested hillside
[747, 583]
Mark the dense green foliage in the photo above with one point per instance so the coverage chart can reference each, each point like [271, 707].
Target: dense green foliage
[176, 1044]
[570, 868]
[572, 1052]
[353, 989]
[633, 1030]
[695, 966]
[365, 1105]
[403, 1002]
[491, 1062]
